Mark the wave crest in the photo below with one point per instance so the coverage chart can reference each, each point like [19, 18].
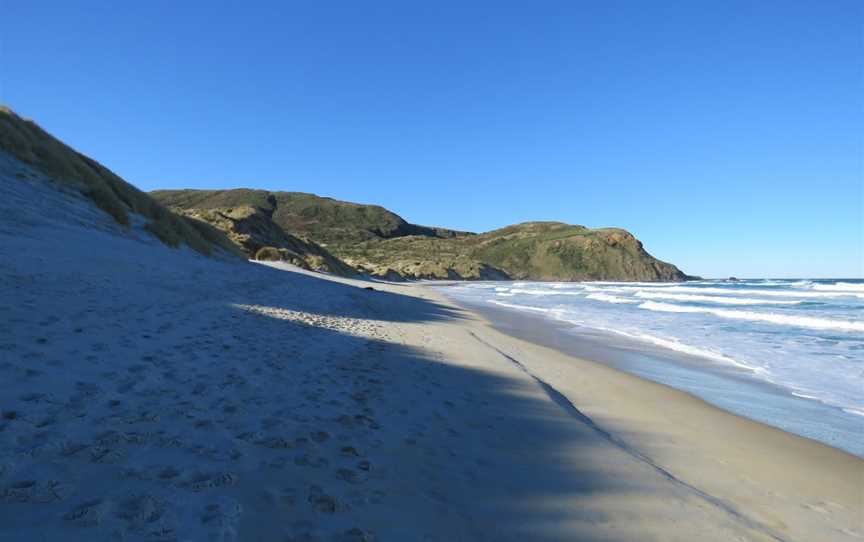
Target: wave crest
[742, 292]
[769, 317]
[610, 298]
[714, 299]
[840, 287]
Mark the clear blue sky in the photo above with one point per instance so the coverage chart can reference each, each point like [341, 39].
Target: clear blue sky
[725, 135]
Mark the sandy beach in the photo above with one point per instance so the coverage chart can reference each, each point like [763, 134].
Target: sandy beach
[154, 394]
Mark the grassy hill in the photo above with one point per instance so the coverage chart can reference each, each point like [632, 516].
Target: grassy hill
[379, 242]
[556, 251]
[325, 220]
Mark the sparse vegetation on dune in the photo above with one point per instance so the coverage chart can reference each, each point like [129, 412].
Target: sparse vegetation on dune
[29, 143]
[253, 231]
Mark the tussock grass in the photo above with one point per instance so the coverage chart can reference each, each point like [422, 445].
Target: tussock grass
[26, 141]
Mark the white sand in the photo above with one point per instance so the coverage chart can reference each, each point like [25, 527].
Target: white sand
[151, 394]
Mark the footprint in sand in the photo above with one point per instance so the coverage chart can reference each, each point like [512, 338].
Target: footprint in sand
[351, 476]
[306, 460]
[88, 514]
[357, 535]
[322, 502]
[140, 510]
[33, 491]
[349, 451]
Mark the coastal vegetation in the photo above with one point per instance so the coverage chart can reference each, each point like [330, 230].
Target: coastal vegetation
[378, 242]
[27, 142]
[254, 232]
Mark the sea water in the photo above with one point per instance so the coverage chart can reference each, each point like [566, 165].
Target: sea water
[803, 339]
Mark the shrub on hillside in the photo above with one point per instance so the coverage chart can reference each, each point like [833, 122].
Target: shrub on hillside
[269, 254]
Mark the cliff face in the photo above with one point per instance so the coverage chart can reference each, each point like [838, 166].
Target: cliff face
[379, 242]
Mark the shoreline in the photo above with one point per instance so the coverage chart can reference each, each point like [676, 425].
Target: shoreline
[744, 462]
[726, 386]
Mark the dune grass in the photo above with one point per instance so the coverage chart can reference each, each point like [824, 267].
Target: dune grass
[27, 142]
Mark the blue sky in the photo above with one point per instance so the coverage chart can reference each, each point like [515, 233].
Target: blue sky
[725, 135]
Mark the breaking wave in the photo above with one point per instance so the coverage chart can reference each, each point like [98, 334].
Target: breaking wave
[770, 317]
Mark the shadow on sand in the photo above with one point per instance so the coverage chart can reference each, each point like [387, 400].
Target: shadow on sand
[456, 453]
[169, 408]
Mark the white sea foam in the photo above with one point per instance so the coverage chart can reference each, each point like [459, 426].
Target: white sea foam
[853, 410]
[614, 284]
[713, 299]
[604, 289]
[804, 336]
[632, 283]
[541, 292]
[671, 344]
[610, 298]
[840, 287]
[520, 307]
[744, 292]
[804, 395]
[770, 317]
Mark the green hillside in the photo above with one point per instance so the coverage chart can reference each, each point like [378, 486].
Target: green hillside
[379, 242]
[324, 220]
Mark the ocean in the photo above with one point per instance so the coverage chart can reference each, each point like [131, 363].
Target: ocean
[789, 353]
